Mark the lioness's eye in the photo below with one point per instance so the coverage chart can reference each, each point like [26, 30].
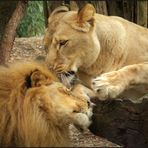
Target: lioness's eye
[62, 43]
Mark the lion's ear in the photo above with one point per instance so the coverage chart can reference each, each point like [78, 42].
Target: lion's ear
[37, 78]
[86, 14]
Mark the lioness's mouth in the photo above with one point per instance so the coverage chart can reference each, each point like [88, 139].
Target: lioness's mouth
[68, 78]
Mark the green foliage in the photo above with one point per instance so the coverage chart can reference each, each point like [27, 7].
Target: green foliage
[33, 22]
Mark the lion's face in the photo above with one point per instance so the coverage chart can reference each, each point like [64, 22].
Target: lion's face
[66, 106]
[61, 105]
[36, 108]
[70, 39]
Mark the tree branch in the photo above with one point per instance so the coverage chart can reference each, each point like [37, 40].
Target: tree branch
[10, 31]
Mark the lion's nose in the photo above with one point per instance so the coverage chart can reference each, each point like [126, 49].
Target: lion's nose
[91, 104]
[88, 103]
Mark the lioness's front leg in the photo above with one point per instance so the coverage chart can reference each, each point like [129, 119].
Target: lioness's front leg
[112, 84]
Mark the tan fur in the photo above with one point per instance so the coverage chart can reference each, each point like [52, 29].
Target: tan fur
[36, 109]
[98, 44]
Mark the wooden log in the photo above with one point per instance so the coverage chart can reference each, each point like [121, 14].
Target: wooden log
[122, 122]
[142, 13]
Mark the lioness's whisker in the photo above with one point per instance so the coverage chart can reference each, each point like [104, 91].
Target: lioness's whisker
[67, 74]
[65, 80]
[62, 78]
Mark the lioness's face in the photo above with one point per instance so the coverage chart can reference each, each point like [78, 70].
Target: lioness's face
[70, 40]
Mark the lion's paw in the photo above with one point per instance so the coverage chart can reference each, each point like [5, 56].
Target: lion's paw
[108, 85]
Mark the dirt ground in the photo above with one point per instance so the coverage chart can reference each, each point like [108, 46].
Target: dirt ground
[30, 48]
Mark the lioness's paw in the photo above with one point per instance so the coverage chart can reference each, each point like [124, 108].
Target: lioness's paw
[108, 85]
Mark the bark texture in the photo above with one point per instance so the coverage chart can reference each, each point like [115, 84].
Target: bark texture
[142, 13]
[46, 13]
[129, 10]
[6, 10]
[122, 122]
[100, 7]
[115, 7]
[10, 31]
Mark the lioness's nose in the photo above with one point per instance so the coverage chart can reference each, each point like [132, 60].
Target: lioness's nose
[72, 72]
[69, 73]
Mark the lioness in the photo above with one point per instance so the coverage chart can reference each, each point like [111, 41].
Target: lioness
[109, 53]
[36, 109]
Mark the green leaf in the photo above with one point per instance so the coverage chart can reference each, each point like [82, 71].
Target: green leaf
[33, 22]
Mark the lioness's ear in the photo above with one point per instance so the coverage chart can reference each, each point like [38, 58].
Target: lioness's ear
[59, 10]
[37, 78]
[85, 19]
[86, 14]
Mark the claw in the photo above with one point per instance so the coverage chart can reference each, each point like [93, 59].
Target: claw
[59, 68]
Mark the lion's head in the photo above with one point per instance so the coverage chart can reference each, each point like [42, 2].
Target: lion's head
[36, 109]
[70, 39]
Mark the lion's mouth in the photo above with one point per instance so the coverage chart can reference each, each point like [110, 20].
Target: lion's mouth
[82, 121]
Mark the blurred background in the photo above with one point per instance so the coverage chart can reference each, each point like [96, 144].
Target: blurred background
[36, 12]
[26, 18]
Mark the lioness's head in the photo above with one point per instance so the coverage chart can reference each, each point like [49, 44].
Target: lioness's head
[70, 39]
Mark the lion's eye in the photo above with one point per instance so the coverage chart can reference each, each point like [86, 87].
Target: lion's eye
[63, 43]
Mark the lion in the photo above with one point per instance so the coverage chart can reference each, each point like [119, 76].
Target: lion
[108, 53]
[36, 109]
